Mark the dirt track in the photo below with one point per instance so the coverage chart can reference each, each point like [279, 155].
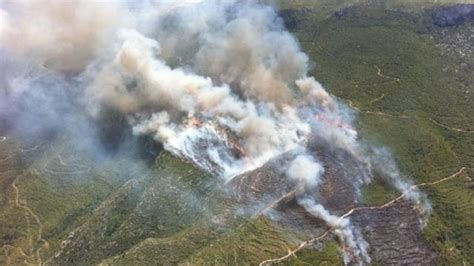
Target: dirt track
[11, 252]
[379, 73]
[37, 220]
[351, 104]
[354, 210]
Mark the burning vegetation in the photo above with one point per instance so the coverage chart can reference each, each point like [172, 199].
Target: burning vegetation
[220, 84]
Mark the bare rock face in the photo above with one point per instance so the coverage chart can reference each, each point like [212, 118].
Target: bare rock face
[453, 15]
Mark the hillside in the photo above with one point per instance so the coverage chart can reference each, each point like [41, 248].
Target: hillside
[410, 88]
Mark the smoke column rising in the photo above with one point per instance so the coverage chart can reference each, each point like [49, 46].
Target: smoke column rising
[218, 83]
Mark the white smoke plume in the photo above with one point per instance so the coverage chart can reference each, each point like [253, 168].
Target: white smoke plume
[219, 83]
[355, 247]
[305, 171]
[382, 161]
[62, 35]
[264, 123]
[242, 73]
[307, 174]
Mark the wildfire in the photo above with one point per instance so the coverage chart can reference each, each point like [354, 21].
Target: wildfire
[194, 122]
[333, 122]
[350, 252]
[236, 147]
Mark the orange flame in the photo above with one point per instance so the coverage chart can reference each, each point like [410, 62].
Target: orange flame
[194, 122]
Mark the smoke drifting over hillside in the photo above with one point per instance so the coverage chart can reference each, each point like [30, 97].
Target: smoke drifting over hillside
[219, 83]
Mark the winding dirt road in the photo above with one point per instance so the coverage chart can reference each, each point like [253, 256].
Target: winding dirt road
[379, 73]
[27, 209]
[451, 128]
[80, 168]
[39, 232]
[378, 98]
[350, 212]
[352, 105]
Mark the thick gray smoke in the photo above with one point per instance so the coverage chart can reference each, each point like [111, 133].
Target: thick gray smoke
[304, 171]
[61, 35]
[219, 83]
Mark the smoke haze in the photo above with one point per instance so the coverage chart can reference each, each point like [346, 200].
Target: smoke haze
[219, 83]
